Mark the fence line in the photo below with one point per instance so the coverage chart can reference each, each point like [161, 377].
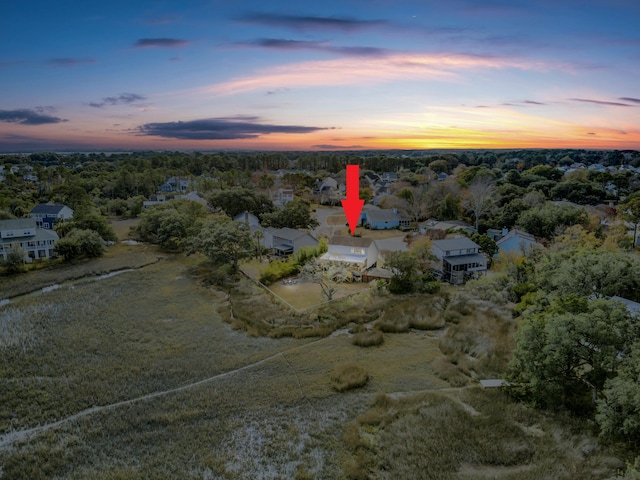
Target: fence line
[297, 310]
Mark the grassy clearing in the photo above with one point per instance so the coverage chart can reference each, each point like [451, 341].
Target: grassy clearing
[301, 295]
[122, 228]
[277, 319]
[348, 376]
[471, 434]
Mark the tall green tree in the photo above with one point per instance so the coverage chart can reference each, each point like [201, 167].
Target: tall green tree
[233, 201]
[224, 241]
[80, 243]
[549, 219]
[565, 353]
[295, 214]
[171, 224]
[619, 405]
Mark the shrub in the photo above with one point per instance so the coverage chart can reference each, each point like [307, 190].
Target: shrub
[369, 338]
[447, 371]
[348, 376]
[393, 324]
[277, 270]
[427, 322]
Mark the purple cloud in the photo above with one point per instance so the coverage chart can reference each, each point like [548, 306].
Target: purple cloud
[298, 22]
[533, 102]
[285, 44]
[630, 99]
[122, 99]
[71, 62]
[27, 116]
[329, 146]
[601, 102]
[222, 128]
[160, 43]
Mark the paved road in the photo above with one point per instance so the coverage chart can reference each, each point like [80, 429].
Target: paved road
[324, 229]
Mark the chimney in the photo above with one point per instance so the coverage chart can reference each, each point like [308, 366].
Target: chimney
[505, 231]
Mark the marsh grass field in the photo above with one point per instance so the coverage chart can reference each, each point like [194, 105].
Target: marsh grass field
[144, 376]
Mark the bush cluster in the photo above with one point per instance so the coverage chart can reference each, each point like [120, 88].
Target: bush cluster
[348, 376]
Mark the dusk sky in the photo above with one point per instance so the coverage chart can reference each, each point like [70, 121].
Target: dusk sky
[329, 75]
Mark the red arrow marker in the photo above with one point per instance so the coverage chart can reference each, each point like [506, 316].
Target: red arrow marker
[352, 205]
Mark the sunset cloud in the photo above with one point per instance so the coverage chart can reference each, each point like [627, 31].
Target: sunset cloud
[242, 127]
[122, 99]
[301, 22]
[26, 116]
[160, 43]
[369, 70]
[285, 44]
[601, 102]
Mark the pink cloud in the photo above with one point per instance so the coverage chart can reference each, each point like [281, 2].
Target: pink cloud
[346, 71]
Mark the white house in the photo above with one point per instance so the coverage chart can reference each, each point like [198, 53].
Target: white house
[285, 195]
[457, 257]
[22, 233]
[359, 253]
[46, 214]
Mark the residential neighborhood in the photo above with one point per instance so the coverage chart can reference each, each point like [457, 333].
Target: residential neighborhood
[244, 266]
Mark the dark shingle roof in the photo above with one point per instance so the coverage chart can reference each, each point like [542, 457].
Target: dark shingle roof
[455, 244]
[47, 209]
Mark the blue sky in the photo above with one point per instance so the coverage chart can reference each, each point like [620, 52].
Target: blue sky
[330, 75]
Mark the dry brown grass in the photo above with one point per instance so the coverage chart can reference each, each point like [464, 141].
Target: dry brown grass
[422, 312]
[471, 434]
[368, 338]
[268, 409]
[348, 376]
[116, 257]
[389, 323]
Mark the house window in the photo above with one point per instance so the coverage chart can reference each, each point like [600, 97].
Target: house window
[357, 251]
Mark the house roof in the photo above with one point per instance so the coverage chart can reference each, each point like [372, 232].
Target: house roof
[47, 209]
[289, 233]
[446, 225]
[463, 259]
[516, 234]
[247, 217]
[375, 214]
[348, 241]
[17, 223]
[633, 307]
[455, 244]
